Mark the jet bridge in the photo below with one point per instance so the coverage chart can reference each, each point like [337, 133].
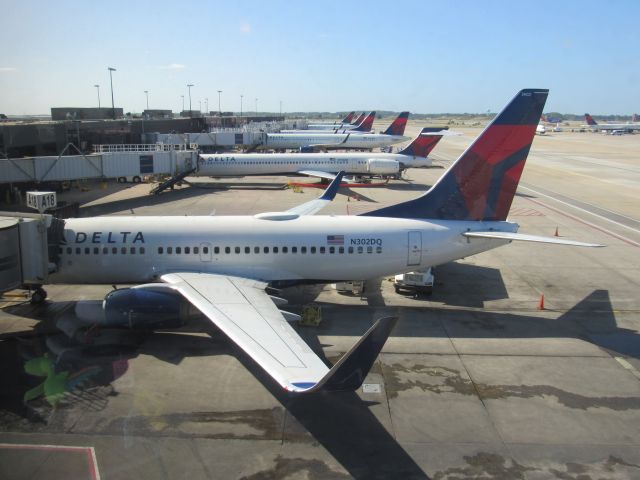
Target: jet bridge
[29, 246]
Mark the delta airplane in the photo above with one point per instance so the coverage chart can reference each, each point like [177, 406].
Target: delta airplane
[362, 127]
[626, 127]
[344, 123]
[328, 141]
[323, 165]
[222, 265]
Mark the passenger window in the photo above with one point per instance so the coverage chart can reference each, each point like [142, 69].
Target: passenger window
[87, 250]
[114, 250]
[256, 249]
[227, 249]
[303, 249]
[132, 250]
[237, 249]
[216, 250]
[275, 249]
[105, 250]
[332, 249]
[340, 249]
[322, 249]
[369, 249]
[286, 249]
[123, 250]
[350, 249]
[294, 249]
[178, 249]
[205, 250]
[360, 249]
[141, 250]
[247, 250]
[187, 249]
[378, 249]
[266, 250]
[78, 250]
[96, 250]
[196, 250]
[160, 250]
[313, 249]
[169, 249]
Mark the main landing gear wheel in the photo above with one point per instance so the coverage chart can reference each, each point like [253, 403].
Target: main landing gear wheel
[38, 296]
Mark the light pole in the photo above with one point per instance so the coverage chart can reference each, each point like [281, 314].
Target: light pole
[256, 107]
[200, 106]
[241, 104]
[182, 96]
[219, 109]
[113, 108]
[189, 87]
[206, 106]
[280, 107]
[146, 92]
[98, 88]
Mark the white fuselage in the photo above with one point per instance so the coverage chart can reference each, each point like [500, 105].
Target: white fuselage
[355, 163]
[107, 250]
[327, 126]
[615, 126]
[337, 140]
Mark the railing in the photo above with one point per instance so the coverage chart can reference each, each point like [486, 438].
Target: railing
[144, 147]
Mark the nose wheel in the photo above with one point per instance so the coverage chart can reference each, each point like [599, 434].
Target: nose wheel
[38, 296]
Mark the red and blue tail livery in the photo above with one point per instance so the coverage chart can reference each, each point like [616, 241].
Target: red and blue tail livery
[366, 124]
[481, 184]
[348, 118]
[398, 125]
[590, 120]
[424, 142]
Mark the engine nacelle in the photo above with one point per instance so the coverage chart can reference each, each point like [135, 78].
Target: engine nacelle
[307, 149]
[146, 307]
[377, 166]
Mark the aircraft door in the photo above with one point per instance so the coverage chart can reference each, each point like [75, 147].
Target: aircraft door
[414, 255]
[205, 252]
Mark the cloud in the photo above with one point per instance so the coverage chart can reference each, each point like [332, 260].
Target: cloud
[8, 69]
[172, 66]
[245, 28]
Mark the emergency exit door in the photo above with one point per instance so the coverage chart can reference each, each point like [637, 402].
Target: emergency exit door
[415, 248]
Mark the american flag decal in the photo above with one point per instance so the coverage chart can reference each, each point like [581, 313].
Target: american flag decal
[335, 239]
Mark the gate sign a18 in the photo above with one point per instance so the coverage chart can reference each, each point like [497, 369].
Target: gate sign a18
[41, 201]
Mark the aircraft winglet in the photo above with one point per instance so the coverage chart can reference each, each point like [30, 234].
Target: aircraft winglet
[332, 189]
[313, 206]
[350, 371]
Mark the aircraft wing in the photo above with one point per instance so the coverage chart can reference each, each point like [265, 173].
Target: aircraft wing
[247, 315]
[528, 238]
[313, 206]
[317, 173]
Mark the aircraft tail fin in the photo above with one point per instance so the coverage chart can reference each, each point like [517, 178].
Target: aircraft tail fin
[359, 120]
[350, 371]
[590, 120]
[398, 125]
[348, 118]
[366, 124]
[481, 184]
[426, 141]
[634, 118]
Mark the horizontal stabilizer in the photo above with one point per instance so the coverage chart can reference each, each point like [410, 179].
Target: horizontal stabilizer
[313, 206]
[350, 371]
[528, 238]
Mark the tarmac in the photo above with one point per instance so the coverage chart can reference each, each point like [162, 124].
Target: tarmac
[476, 380]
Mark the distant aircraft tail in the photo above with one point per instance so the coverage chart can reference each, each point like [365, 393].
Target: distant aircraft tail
[348, 118]
[590, 120]
[481, 184]
[634, 119]
[398, 125]
[366, 124]
[426, 141]
[359, 120]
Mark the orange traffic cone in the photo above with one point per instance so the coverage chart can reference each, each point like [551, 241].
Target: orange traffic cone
[556, 234]
[541, 304]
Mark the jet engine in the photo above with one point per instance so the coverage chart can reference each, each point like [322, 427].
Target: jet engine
[376, 166]
[146, 307]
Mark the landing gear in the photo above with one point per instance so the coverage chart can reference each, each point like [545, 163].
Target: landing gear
[38, 296]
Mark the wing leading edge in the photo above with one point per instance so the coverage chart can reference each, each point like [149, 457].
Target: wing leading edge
[246, 314]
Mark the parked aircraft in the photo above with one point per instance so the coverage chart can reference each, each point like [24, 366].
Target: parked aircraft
[323, 165]
[625, 127]
[311, 141]
[222, 265]
[541, 129]
[344, 123]
[362, 127]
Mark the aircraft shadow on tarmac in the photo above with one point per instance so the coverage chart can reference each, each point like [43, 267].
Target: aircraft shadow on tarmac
[343, 423]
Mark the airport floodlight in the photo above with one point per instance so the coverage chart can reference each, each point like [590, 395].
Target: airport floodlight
[98, 88]
[206, 105]
[146, 92]
[189, 85]
[182, 97]
[113, 108]
[219, 109]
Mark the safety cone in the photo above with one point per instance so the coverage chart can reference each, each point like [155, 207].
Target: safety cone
[556, 234]
[541, 304]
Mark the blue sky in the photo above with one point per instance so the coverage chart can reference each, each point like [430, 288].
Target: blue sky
[424, 56]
